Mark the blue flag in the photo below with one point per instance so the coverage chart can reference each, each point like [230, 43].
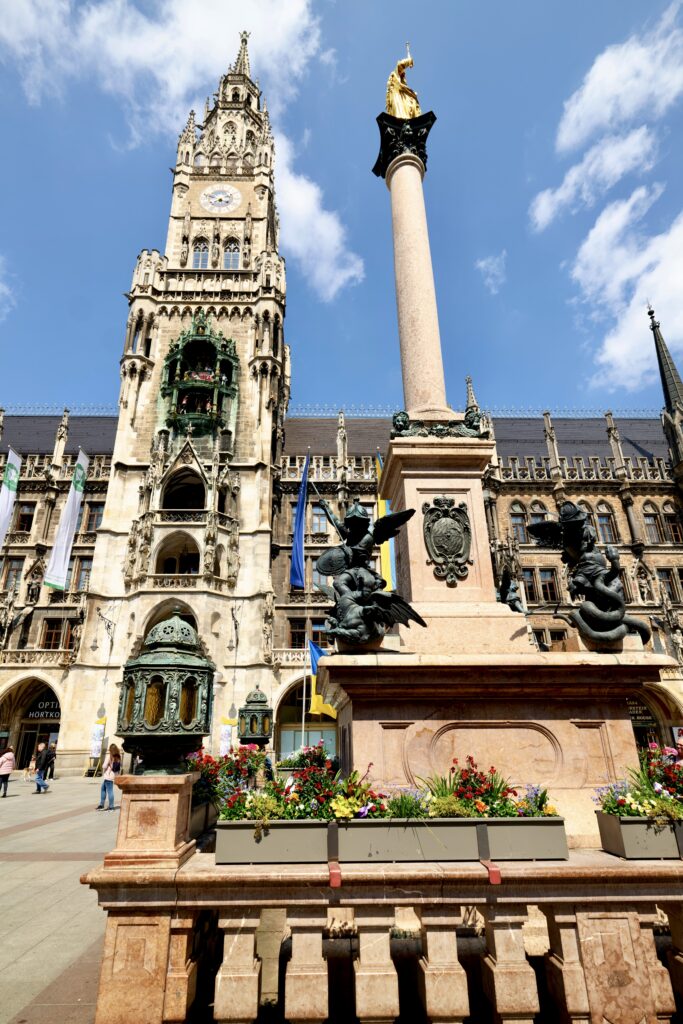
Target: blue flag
[317, 706]
[297, 573]
[316, 654]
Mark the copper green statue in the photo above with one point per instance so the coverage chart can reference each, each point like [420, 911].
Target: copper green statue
[363, 610]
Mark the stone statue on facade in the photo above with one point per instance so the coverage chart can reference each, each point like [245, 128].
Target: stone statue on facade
[363, 611]
[593, 576]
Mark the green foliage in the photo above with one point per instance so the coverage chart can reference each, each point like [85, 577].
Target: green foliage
[407, 804]
[450, 807]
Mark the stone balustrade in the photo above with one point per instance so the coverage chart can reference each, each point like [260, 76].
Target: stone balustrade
[578, 468]
[58, 656]
[373, 941]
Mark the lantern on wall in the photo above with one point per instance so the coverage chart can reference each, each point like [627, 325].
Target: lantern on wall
[166, 697]
[255, 719]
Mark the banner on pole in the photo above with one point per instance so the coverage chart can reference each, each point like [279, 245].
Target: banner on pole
[8, 492]
[297, 574]
[58, 566]
[96, 737]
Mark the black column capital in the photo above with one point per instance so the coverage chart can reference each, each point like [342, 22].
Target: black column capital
[402, 135]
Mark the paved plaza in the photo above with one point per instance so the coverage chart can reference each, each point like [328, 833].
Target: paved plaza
[52, 926]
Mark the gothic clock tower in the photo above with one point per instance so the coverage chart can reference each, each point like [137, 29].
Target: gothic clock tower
[204, 389]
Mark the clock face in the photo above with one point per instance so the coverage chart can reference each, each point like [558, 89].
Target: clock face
[223, 199]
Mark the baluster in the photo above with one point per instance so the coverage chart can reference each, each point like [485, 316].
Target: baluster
[181, 977]
[238, 982]
[443, 978]
[376, 979]
[306, 995]
[563, 965]
[509, 981]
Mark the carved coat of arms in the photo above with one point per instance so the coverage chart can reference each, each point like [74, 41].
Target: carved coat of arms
[448, 537]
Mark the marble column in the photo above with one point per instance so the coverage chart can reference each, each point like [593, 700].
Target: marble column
[424, 387]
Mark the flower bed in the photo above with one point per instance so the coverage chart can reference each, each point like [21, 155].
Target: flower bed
[466, 815]
[642, 817]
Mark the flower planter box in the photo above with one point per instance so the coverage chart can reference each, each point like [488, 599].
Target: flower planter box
[401, 839]
[286, 842]
[637, 839]
[386, 841]
[202, 817]
[525, 839]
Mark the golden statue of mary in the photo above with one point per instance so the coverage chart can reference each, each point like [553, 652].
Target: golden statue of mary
[401, 100]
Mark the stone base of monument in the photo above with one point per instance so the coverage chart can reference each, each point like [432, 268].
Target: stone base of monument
[155, 821]
[558, 721]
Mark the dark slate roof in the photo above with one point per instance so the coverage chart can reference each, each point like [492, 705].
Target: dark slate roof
[35, 435]
[515, 436]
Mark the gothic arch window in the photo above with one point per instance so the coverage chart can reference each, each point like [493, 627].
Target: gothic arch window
[538, 513]
[607, 526]
[235, 95]
[200, 254]
[276, 336]
[215, 160]
[168, 608]
[518, 522]
[230, 131]
[653, 523]
[589, 513]
[200, 160]
[672, 523]
[250, 140]
[231, 255]
[178, 555]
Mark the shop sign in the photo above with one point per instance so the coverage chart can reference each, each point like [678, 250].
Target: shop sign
[640, 713]
[45, 710]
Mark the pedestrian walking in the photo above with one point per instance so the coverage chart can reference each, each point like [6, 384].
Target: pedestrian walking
[110, 770]
[52, 751]
[42, 761]
[7, 765]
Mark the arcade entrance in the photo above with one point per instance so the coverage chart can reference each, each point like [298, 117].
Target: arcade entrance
[29, 714]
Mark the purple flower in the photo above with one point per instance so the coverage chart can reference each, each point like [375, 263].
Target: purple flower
[363, 812]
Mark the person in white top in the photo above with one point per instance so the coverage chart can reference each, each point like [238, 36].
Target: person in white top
[110, 770]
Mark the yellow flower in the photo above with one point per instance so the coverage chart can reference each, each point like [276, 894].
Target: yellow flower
[293, 796]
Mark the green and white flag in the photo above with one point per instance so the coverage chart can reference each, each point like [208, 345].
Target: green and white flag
[8, 492]
[58, 566]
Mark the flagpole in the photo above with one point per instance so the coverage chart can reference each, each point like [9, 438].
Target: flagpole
[303, 707]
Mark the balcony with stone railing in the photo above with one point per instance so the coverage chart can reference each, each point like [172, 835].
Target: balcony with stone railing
[324, 467]
[640, 470]
[179, 581]
[592, 938]
[61, 656]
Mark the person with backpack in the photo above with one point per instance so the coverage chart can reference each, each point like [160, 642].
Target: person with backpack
[111, 769]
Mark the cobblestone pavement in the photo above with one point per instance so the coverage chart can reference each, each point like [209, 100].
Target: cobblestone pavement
[52, 927]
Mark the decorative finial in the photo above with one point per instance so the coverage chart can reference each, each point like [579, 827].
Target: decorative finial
[242, 63]
[651, 313]
[471, 402]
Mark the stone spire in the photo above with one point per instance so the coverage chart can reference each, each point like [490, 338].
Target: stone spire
[241, 65]
[471, 401]
[189, 132]
[672, 385]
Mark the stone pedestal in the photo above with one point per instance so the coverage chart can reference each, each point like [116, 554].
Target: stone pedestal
[465, 617]
[306, 984]
[509, 980]
[444, 981]
[238, 982]
[154, 821]
[558, 720]
[376, 981]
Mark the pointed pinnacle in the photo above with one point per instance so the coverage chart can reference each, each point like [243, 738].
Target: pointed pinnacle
[672, 385]
[471, 401]
[241, 66]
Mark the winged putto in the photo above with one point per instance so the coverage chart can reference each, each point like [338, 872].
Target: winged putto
[363, 610]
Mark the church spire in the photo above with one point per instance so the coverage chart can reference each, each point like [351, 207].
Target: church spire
[672, 385]
[241, 65]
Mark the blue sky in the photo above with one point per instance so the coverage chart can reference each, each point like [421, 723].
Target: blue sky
[554, 192]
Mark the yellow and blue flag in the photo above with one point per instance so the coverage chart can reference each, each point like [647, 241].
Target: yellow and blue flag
[387, 555]
[317, 706]
[297, 572]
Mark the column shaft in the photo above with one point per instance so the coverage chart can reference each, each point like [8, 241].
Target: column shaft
[424, 388]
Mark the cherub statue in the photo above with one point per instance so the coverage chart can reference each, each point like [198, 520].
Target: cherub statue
[602, 616]
[362, 610]
[401, 100]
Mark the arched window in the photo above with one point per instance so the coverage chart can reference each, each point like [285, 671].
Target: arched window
[290, 713]
[178, 556]
[188, 701]
[653, 524]
[672, 522]
[184, 490]
[607, 527]
[518, 522]
[231, 255]
[200, 160]
[215, 160]
[235, 95]
[155, 701]
[200, 254]
[538, 513]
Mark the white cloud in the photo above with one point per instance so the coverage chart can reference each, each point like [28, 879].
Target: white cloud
[641, 77]
[314, 236]
[601, 168]
[162, 60]
[7, 298]
[619, 269]
[492, 269]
